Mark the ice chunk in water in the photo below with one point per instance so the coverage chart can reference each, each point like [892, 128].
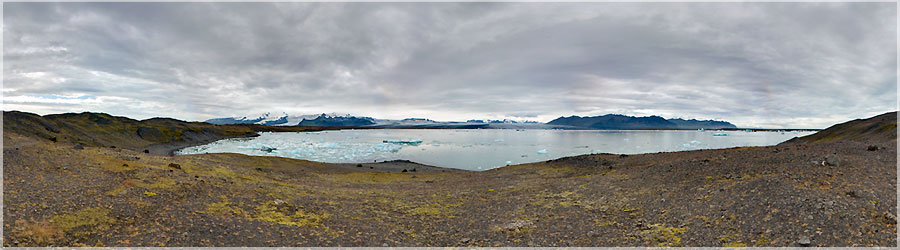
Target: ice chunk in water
[388, 147]
[404, 141]
[258, 147]
[508, 162]
[542, 151]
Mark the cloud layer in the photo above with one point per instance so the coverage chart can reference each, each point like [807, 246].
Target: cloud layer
[754, 64]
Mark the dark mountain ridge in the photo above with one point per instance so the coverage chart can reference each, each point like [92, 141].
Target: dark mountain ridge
[330, 121]
[617, 121]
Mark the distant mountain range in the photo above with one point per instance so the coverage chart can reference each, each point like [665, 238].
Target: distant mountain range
[264, 119]
[615, 121]
[346, 120]
[571, 122]
[334, 121]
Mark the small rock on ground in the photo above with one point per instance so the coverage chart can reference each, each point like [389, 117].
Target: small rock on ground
[804, 241]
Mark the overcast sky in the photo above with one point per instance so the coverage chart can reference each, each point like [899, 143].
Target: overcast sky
[806, 65]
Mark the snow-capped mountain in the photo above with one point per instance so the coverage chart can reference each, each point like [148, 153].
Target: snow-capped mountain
[278, 120]
[262, 119]
[347, 120]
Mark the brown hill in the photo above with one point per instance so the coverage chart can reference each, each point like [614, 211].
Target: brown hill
[157, 135]
[879, 128]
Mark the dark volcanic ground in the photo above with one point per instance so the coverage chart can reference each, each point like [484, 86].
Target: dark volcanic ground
[838, 192]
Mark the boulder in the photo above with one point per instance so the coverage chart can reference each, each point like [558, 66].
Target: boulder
[833, 160]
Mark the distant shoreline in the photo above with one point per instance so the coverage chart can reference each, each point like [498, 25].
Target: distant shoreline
[573, 128]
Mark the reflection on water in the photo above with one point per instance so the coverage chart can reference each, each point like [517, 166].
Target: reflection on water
[479, 149]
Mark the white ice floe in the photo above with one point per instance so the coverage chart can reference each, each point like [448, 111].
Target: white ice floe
[388, 147]
[542, 151]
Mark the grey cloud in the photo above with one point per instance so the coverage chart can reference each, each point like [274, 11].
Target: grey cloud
[756, 64]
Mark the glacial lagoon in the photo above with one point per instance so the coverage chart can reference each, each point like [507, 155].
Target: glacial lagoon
[480, 149]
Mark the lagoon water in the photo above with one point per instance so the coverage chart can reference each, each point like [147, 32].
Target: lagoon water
[479, 149]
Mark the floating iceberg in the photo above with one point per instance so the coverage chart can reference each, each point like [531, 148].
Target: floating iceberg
[259, 147]
[542, 151]
[388, 147]
[508, 162]
[406, 141]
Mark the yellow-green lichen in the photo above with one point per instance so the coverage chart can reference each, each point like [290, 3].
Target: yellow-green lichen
[97, 217]
[224, 207]
[734, 244]
[663, 236]
[729, 241]
[300, 218]
[267, 212]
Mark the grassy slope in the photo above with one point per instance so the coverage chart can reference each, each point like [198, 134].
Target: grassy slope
[757, 196]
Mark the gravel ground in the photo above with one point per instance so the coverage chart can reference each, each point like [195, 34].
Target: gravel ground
[834, 193]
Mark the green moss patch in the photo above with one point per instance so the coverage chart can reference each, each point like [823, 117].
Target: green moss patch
[95, 217]
[663, 236]
[284, 215]
[299, 218]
